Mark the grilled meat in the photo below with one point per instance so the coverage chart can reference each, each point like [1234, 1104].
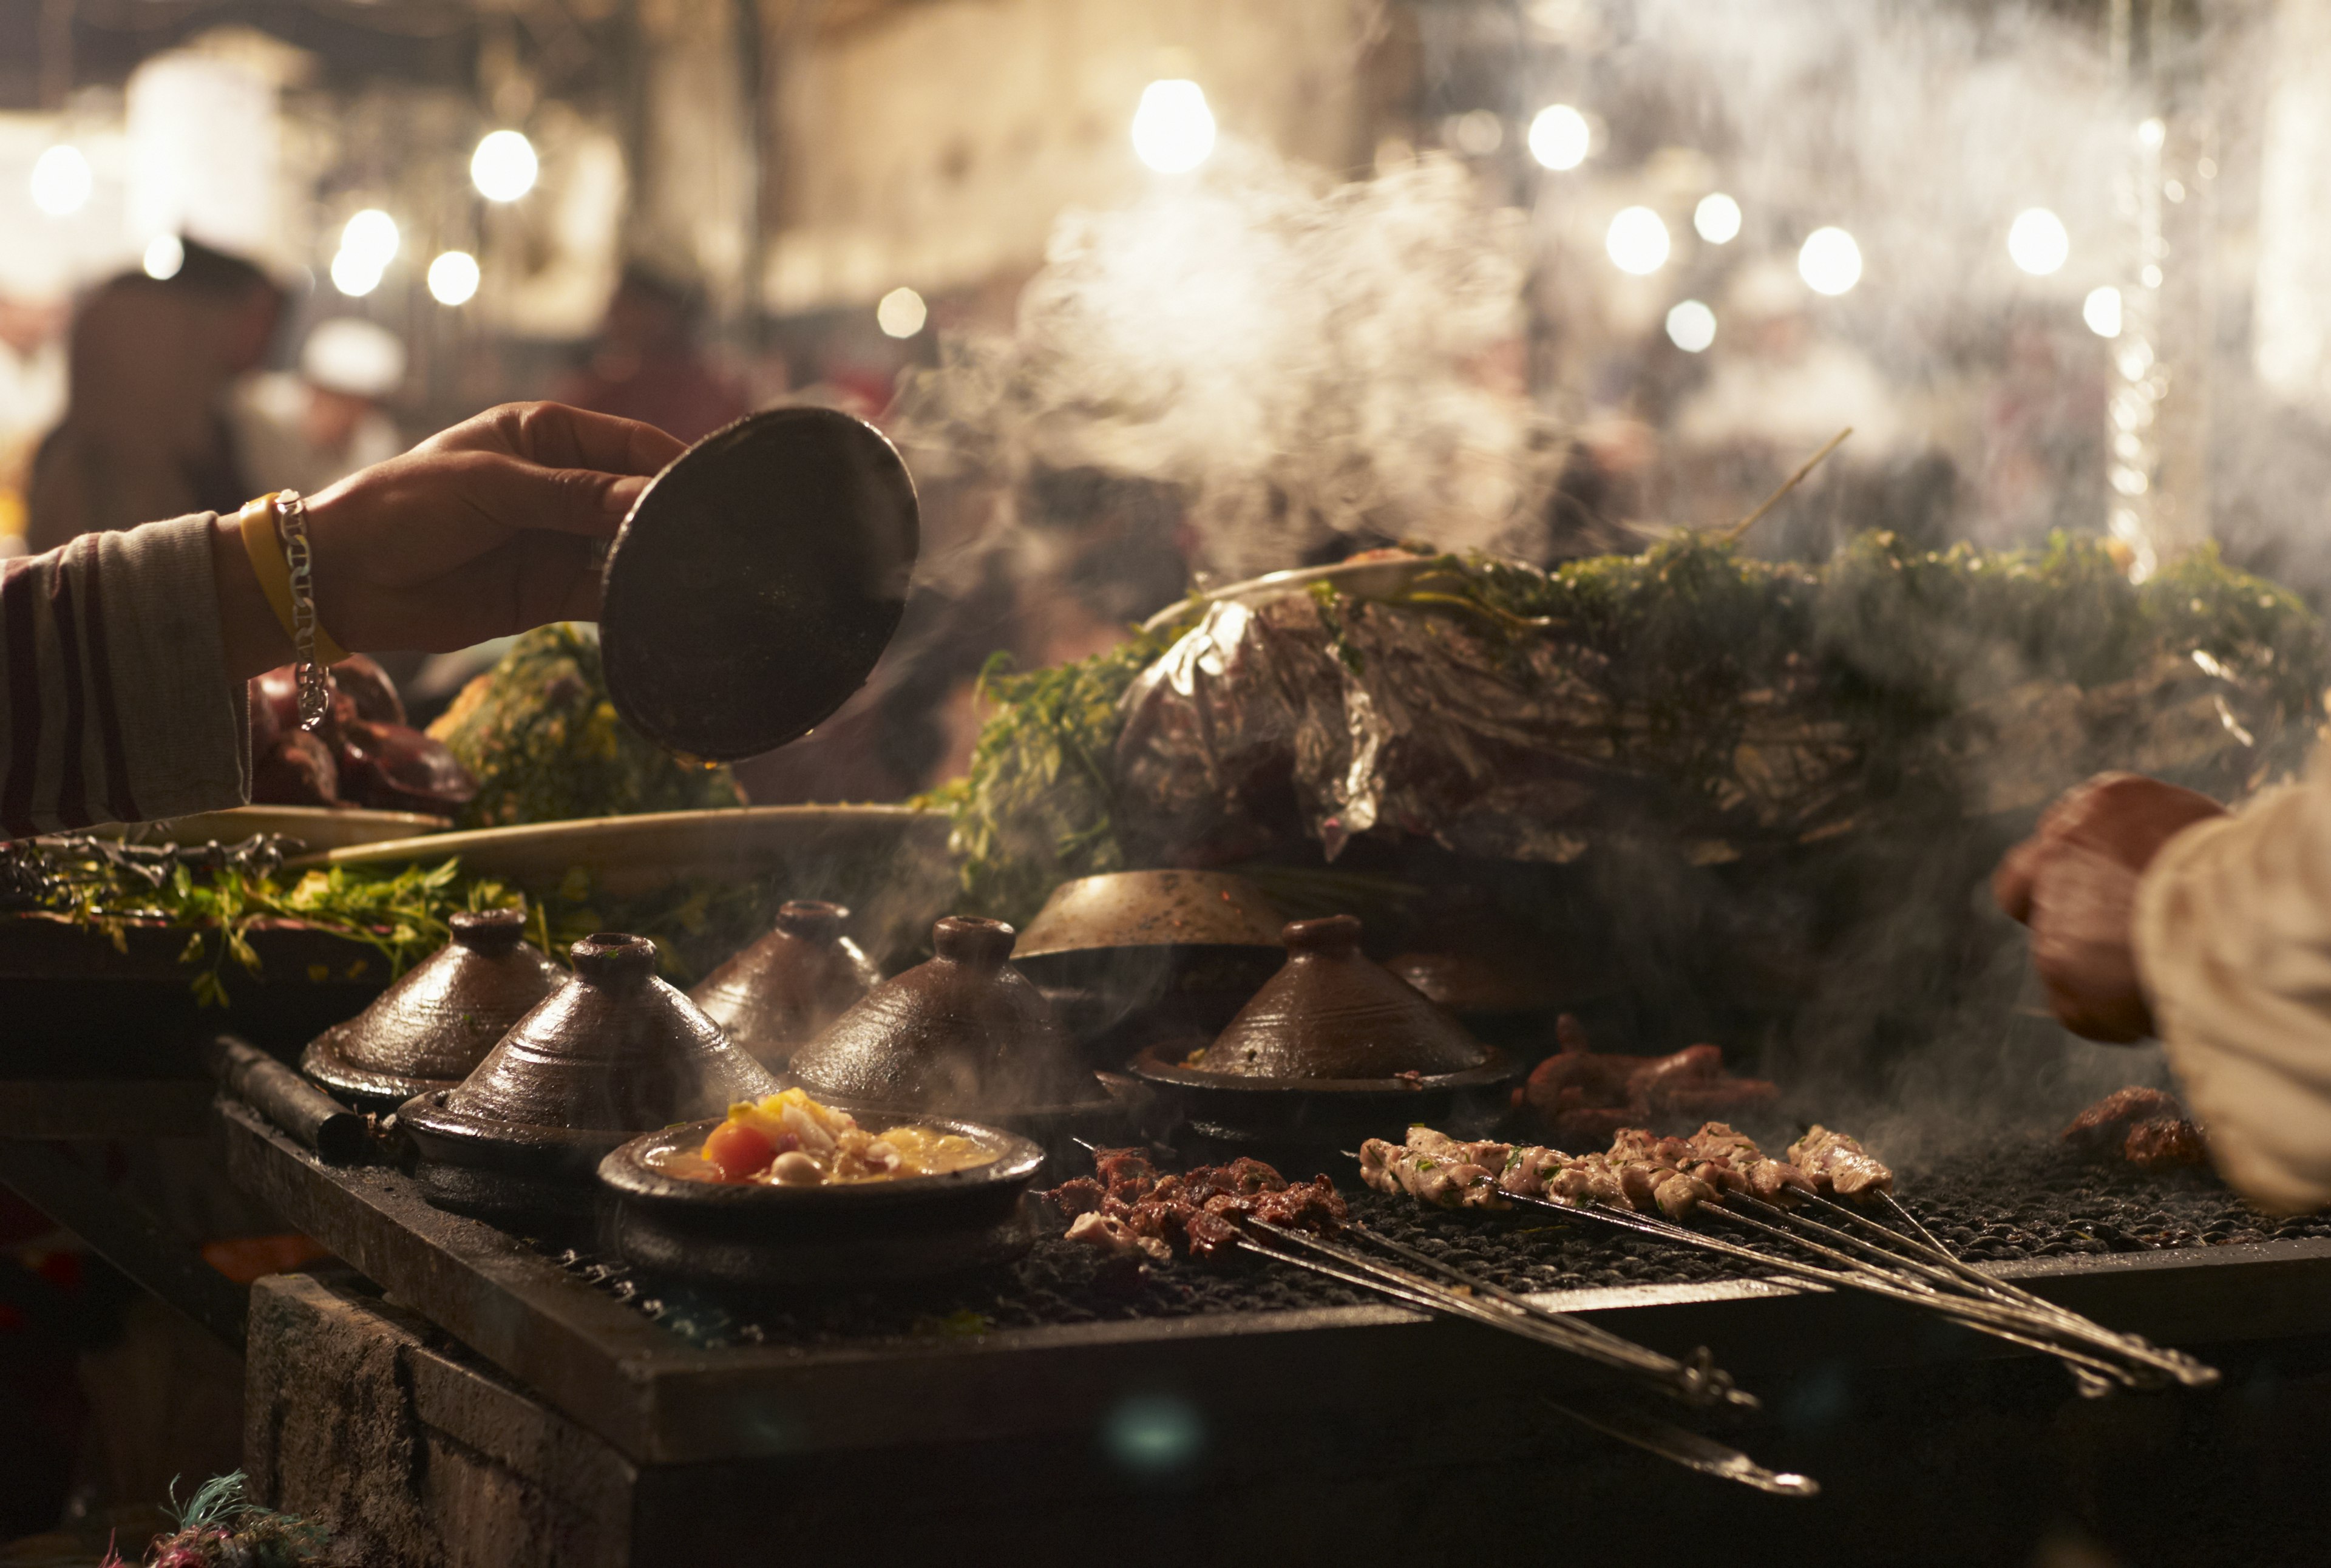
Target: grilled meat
[1758, 1173]
[1838, 1164]
[1642, 1171]
[2163, 1143]
[1433, 1169]
[2145, 1127]
[1197, 1211]
[1587, 1098]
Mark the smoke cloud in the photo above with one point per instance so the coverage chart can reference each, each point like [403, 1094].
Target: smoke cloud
[1301, 358]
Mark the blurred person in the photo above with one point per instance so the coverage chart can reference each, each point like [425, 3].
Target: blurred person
[2156, 912]
[647, 364]
[32, 396]
[123, 655]
[149, 364]
[304, 430]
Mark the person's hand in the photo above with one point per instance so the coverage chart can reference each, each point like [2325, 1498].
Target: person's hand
[487, 528]
[2074, 882]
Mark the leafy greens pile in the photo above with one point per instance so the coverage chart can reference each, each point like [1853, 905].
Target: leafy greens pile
[542, 738]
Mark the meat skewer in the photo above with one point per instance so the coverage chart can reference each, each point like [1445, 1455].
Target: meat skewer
[1643, 1176]
[1249, 1207]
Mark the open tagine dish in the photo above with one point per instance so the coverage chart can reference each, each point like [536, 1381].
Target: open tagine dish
[789, 1192]
[789, 1140]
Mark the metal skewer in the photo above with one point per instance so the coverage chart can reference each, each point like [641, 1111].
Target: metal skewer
[1688, 1448]
[2000, 1319]
[1924, 1247]
[1698, 1382]
[1985, 1317]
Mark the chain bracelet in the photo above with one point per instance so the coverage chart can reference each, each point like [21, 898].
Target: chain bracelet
[315, 690]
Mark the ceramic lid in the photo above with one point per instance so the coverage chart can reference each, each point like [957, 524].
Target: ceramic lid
[442, 1016]
[756, 581]
[615, 1048]
[1151, 909]
[965, 1033]
[1333, 1013]
[784, 988]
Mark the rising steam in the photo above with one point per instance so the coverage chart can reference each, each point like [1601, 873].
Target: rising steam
[1300, 358]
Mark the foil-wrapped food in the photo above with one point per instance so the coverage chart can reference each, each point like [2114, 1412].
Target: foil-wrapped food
[1515, 715]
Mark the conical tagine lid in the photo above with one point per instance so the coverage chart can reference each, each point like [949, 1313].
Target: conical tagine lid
[614, 1049]
[778, 993]
[439, 1020]
[965, 1033]
[1333, 1013]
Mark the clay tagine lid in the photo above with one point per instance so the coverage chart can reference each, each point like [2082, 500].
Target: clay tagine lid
[1332, 1012]
[440, 1019]
[614, 1049]
[1151, 909]
[965, 1033]
[783, 990]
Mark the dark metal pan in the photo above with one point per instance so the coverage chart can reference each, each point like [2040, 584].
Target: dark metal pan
[756, 581]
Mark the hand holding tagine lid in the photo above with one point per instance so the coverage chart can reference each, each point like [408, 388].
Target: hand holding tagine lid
[435, 1025]
[781, 991]
[613, 1053]
[1333, 1013]
[964, 1034]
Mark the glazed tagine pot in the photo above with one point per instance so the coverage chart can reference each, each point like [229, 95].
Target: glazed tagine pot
[964, 1034]
[1334, 1044]
[781, 993]
[764, 1235]
[613, 1052]
[1128, 957]
[429, 1029]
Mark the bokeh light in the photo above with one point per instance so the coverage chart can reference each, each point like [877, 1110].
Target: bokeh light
[1638, 241]
[504, 166]
[165, 254]
[454, 278]
[2037, 242]
[1155, 1435]
[1830, 261]
[354, 275]
[1717, 218]
[1558, 136]
[2102, 310]
[61, 180]
[370, 237]
[1173, 129]
[1691, 326]
[902, 313]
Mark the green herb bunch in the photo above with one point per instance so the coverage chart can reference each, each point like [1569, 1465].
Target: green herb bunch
[1037, 806]
[541, 734]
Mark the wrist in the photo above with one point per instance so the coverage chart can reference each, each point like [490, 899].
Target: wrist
[254, 638]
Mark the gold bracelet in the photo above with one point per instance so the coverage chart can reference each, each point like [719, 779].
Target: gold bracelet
[262, 541]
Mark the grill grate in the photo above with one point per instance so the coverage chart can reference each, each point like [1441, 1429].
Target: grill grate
[2001, 1199]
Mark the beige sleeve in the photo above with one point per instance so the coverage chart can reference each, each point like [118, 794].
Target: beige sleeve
[115, 701]
[2233, 944]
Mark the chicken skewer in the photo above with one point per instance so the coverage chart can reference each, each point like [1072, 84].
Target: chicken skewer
[1720, 1169]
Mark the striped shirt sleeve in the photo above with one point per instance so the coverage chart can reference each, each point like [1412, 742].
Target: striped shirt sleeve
[115, 701]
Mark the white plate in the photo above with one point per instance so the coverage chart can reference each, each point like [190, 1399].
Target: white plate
[634, 854]
[320, 827]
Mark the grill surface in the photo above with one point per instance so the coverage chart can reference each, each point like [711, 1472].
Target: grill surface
[1998, 1200]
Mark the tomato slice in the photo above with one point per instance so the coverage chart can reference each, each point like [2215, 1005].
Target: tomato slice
[738, 1149]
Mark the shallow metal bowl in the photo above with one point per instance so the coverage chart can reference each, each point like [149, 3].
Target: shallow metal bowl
[1309, 1114]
